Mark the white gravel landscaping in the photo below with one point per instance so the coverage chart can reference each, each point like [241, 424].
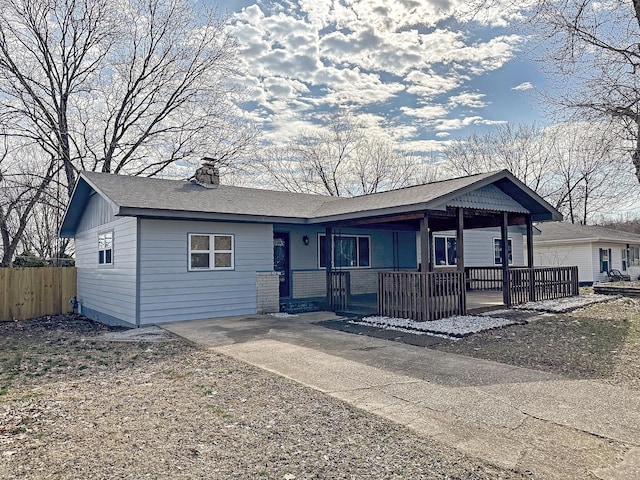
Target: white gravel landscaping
[282, 315]
[458, 326]
[567, 304]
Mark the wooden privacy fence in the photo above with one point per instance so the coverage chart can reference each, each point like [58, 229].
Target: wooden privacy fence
[421, 296]
[33, 292]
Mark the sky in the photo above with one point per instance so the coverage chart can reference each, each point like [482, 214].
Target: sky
[422, 72]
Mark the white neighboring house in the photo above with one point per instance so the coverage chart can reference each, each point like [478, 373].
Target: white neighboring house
[595, 250]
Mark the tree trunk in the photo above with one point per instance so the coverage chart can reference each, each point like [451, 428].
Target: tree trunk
[635, 156]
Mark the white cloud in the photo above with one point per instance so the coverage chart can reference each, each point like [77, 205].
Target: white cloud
[398, 57]
[473, 100]
[428, 112]
[523, 86]
[458, 123]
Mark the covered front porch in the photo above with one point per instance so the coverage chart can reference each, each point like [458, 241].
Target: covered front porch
[441, 285]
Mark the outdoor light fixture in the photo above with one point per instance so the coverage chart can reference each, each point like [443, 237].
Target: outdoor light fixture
[305, 240]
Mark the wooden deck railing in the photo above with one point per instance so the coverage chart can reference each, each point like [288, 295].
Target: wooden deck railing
[483, 278]
[542, 283]
[339, 289]
[421, 296]
[526, 284]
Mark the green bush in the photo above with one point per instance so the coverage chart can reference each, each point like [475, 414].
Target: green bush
[29, 259]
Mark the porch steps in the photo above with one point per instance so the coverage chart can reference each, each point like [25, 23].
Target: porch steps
[294, 307]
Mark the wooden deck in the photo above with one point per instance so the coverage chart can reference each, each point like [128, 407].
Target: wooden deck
[425, 296]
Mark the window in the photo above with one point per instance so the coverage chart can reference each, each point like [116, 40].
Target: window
[624, 259]
[605, 262]
[444, 249]
[497, 251]
[633, 258]
[105, 248]
[210, 252]
[349, 251]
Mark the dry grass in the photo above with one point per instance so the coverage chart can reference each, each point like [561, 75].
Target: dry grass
[74, 405]
[601, 341]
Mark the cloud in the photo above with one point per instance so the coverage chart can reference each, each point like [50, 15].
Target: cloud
[473, 100]
[458, 123]
[523, 86]
[403, 59]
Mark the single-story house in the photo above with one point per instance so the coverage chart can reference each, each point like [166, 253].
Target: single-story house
[153, 250]
[595, 250]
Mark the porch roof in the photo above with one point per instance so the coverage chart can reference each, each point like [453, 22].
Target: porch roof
[161, 198]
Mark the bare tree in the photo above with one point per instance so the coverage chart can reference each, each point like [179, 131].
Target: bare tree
[121, 87]
[575, 166]
[131, 86]
[339, 159]
[23, 182]
[593, 49]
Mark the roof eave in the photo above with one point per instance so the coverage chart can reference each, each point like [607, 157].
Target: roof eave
[190, 215]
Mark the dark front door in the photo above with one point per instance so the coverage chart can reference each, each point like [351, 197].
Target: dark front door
[281, 261]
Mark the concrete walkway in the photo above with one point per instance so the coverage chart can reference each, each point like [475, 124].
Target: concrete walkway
[512, 417]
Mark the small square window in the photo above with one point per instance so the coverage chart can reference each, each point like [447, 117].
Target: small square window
[211, 252]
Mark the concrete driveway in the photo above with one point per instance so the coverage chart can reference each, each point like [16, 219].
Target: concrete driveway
[510, 416]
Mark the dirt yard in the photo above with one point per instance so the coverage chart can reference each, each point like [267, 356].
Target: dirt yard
[76, 404]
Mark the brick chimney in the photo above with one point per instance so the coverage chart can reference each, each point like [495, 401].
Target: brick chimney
[208, 174]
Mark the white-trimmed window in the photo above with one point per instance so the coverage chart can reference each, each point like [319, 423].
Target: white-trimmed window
[211, 252]
[605, 260]
[444, 251]
[634, 256]
[105, 248]
[497, 251]
[349, 251]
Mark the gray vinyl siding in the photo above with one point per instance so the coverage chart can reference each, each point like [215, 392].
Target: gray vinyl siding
[108, 292]
[479, 246]
[169, 292]
[97, 212]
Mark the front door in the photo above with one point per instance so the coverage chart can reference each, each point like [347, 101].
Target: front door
[281, 261]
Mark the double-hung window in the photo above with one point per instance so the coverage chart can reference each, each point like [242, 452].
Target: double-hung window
[497, 251]
[444, 251]
[211, 252]
[349, 251]
[605, 260]
[634, 256]
[105, 248]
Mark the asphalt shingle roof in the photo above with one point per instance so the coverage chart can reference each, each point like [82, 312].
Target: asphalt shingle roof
[177, 195]
[142, 196]
[562, 231]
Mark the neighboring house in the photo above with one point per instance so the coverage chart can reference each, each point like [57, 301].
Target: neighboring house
[595, 250]
[152, 250]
